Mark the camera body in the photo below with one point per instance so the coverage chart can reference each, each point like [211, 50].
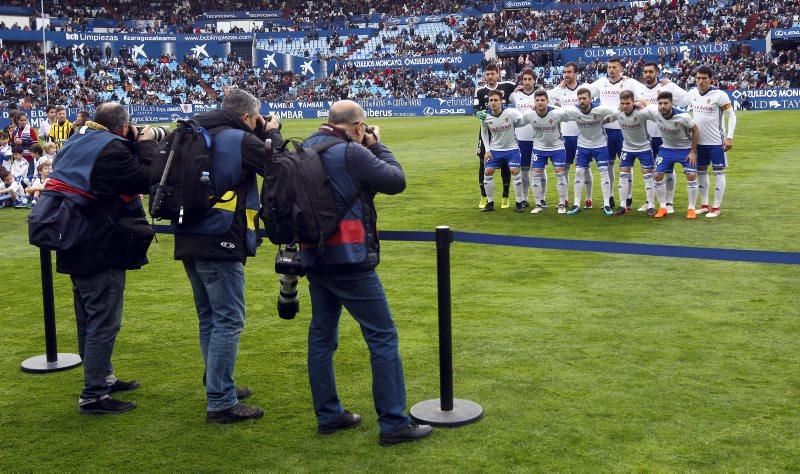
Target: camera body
[159, 132]
[368, 130]
[287, 261]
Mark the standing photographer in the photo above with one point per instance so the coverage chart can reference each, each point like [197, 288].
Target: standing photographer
[214, 250]
[102, 162]
[344, 275]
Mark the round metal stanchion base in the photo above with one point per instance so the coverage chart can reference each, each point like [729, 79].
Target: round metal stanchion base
[39, 364]
[430, 412]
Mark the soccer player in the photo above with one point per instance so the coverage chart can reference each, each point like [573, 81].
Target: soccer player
[547, 145]
[708, 106]
[523, 100]
[635, 146]
[652, 87]
[59, 131]
[46, 122]
[497, 132]
[592, 145]
[565, 95]
[481, 103]
[609, 88]
[680, 135]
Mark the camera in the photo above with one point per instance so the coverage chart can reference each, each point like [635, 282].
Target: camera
[287, 261]
[159, 132]
[368, 130]
[270, 118]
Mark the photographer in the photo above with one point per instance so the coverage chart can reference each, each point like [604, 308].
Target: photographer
[344, 275]
[103, 158]
[214, 250]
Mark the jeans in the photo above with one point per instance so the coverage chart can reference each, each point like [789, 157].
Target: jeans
[98, 313]
[218, 288]
[363, 296]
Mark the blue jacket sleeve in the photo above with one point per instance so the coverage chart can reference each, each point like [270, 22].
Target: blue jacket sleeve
[376, 168]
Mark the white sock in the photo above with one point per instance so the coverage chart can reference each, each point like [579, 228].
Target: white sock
[538, 190]
[605, 185]
[624, 187]
[691, 191]
[544, 184]
[588, 179]
[566, 172]
[630, 185]
[702, 184]
[488, 185]
[719, 187]
[611, 178]
[520, 192]
[561, 186]
[649, 190]
[661, 191]
[526, 180]
[669, 179]
[578, 191]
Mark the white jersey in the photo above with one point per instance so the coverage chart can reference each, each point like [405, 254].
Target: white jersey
[546, 129]
[44, 127]
[707, 110]
[523, 102]
[676, 131]
[590, 126]
[609, 93]
[634, 129]
[19, 169]
[501, 128]
[679, 98]
[566, 97]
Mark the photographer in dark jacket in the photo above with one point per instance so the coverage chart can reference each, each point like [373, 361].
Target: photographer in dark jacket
[214, 250]
[344, 275]
[115, 169]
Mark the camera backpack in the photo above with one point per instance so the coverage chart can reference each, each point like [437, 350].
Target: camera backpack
[181, 186]
[297, 204]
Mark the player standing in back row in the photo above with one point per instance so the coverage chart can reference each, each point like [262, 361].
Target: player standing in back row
[523, 100]
[481, 103]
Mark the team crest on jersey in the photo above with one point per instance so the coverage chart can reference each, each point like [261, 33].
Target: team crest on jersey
[708, 101]
[636, 119]
[551, 121]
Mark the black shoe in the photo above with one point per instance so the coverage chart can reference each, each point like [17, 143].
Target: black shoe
[236, 413]
[543, 204]
[629, 203]
[106, 406]
[243, 392]
[620, 211]
[410, 432]
[519, 208]
[651, 211]
[345, 422]
[611, 202]
[525, 204]
[489, 207]
[122, 386]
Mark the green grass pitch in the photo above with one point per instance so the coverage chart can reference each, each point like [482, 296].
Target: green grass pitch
[582, 361]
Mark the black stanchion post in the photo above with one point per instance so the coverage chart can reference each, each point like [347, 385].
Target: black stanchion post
[52, 361]
[446, 410]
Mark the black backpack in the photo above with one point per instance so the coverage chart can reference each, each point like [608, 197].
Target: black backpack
[181, 185]
[297, 204]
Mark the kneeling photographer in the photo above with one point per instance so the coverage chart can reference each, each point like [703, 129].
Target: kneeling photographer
[102, 163]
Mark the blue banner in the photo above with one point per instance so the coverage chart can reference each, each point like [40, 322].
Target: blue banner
[527, 46]
[654, 50]
[243, 15]
[285, 62]
[461, 61]
[767, 99]
[551, 5]
[785, 34]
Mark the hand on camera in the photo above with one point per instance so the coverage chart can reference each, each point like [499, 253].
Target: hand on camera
[370, 138]
[272, 122]
[145, 133]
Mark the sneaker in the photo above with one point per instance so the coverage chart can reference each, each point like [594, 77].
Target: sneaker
[691, 214]
[505, 204]
[629, 203]
[645, 207]
[661, 213]
[670, 208]
[714, 212]
[525, 204]
[562, 209]
[482, 202]
[410, 432]
[611, 202]
[607, 210]
[587, 204]
[574, 210]
[519, 207]
[537, 209]
[651, 212]
[243, 392]
[106, 406]
[703, 209]
[345, 422]
[238, 412]
[489, 207]
[620, 211]
[543, 204]
[122, 386]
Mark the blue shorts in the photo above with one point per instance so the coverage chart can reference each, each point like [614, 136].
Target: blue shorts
[667, 157]
[525, 149]
[628, 157]
[655, 144]
[571, 147]
[510, 157]
[586, 155]
[711, 154]
[614, 143]
[557, 157]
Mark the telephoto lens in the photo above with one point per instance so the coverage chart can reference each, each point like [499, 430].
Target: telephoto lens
[288, 301]
[159, 133]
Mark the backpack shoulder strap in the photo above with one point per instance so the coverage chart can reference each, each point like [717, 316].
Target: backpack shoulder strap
[325, 144]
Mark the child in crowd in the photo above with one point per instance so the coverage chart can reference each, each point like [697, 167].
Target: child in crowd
[37, 186]
[5, 151]
[38, 158]
[11, 192]
[50, 151]
[19, 166]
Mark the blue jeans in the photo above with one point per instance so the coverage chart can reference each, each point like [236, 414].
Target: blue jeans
[218, 288]
[363, 296]
[97, 298]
